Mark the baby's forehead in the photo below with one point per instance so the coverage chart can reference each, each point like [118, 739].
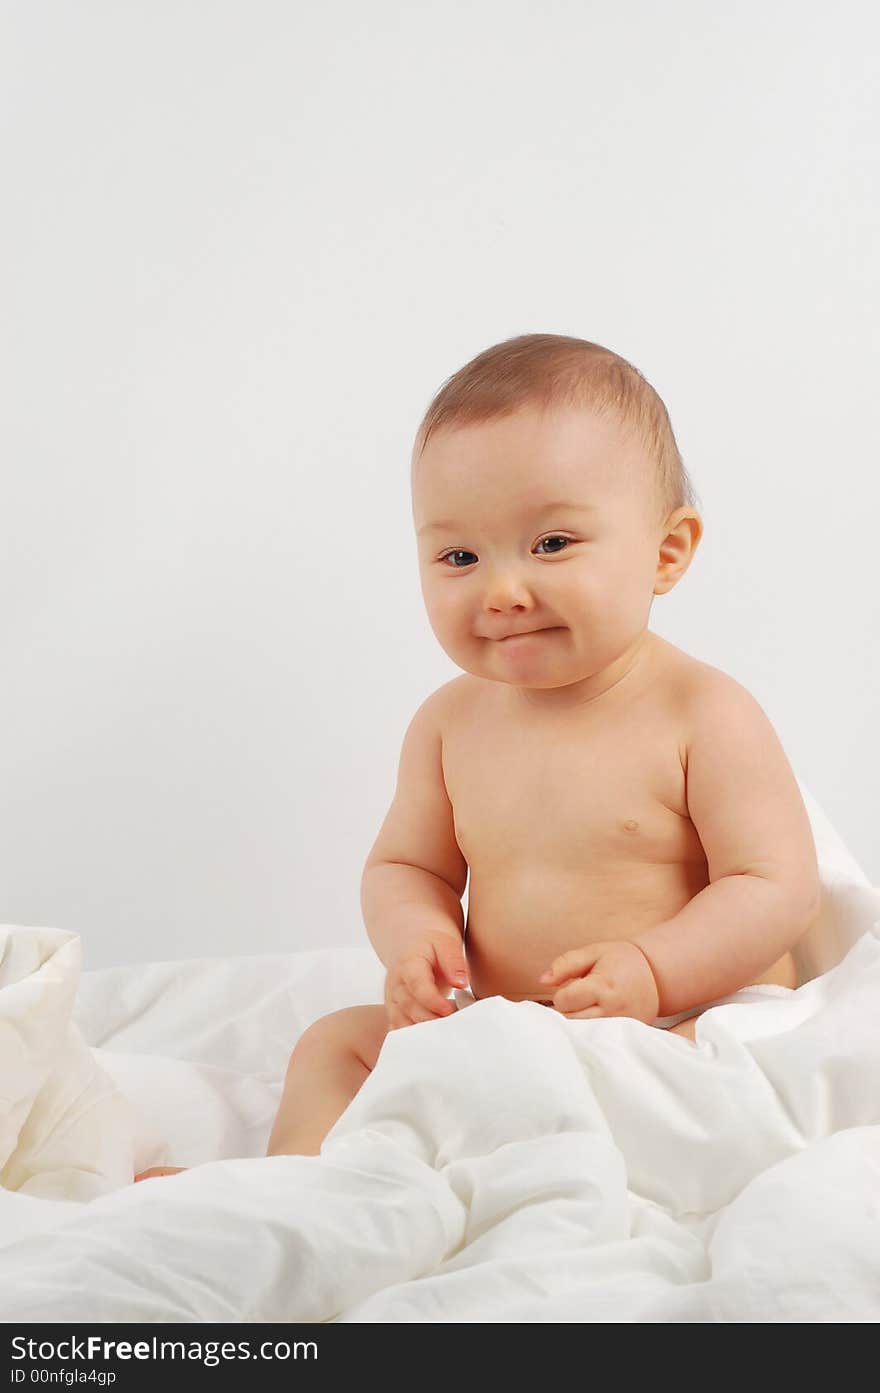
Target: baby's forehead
[525, 462]
[559, 453]
[486, 492]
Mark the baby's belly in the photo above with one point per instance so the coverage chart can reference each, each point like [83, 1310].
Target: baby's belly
[517, 924]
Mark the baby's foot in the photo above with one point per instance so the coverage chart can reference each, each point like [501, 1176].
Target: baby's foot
[159, 1170]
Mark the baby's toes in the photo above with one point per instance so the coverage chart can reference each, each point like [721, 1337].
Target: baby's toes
[159, 1170]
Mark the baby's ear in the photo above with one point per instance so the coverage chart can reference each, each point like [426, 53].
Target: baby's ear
[676, 552]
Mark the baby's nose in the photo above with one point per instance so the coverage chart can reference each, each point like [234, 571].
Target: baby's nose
[508, 595]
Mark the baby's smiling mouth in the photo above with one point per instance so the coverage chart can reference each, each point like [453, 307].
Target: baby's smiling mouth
[528, 633]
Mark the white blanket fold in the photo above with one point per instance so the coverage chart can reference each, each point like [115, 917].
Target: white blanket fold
[65, 1128]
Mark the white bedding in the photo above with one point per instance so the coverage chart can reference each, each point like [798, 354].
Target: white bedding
[501, 1164]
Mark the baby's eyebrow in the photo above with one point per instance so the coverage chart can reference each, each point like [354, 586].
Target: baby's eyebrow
[557, 505]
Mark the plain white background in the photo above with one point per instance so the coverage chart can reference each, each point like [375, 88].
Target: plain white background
[242, 246]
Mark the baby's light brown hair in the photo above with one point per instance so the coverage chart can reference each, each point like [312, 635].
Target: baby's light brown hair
[552, 370]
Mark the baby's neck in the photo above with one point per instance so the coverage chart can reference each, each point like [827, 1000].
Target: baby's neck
[576, 695]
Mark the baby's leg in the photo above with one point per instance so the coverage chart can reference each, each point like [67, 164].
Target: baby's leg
[686, 1028]
[329, 1063]
[783, 973]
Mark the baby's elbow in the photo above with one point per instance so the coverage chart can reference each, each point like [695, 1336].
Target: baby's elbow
[805, 897]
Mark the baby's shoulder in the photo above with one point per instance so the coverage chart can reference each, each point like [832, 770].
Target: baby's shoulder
[706, 696]
[458, 695]
[698, 697]
[455, 704]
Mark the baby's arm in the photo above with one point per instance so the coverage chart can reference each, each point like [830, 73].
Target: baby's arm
[764, 891]
[415, 874]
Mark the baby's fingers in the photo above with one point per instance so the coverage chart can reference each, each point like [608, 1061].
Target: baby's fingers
[578, 995]
[408, 1011]
[571, 964]
[418, 978]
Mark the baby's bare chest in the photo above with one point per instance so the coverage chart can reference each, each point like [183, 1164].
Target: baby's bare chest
[580, 796]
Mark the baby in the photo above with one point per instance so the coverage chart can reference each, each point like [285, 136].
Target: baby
[636, 839]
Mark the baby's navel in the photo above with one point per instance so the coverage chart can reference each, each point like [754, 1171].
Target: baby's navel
[631, 825]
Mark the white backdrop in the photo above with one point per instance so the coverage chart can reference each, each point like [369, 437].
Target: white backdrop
[243, 245]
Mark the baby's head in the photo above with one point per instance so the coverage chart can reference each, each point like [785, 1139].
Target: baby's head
[539, 439]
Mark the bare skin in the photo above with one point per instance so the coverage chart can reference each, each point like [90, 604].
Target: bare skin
[562, 749]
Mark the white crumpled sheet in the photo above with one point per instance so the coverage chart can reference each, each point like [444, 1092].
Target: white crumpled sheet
[501, 1164]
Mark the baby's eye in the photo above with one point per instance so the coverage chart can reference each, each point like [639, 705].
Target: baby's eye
[553, 539]
[446, 555]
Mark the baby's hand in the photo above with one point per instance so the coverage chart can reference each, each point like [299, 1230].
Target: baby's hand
[604, 979]
[413, 984]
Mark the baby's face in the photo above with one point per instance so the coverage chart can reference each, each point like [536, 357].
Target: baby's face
[541, 522]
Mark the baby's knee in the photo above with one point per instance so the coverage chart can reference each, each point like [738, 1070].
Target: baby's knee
[358, 1030]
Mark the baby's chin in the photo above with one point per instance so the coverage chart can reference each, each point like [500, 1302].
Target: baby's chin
[537, 671]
